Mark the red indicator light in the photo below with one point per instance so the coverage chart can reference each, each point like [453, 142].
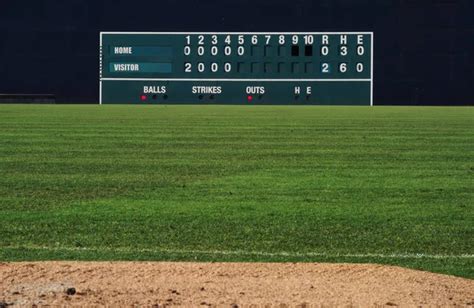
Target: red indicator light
[250, 98]
[143, 97]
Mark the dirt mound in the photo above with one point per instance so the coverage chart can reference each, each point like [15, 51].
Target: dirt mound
[226, 284]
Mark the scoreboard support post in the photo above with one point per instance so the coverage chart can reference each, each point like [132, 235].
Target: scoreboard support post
[290, 68]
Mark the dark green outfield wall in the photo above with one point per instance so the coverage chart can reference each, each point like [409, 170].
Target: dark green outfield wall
[424, 49]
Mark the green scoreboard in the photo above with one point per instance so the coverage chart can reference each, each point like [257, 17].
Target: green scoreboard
[314, 68]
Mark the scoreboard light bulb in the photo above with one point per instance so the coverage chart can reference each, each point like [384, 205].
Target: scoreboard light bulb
[250, 98]
[143, 97]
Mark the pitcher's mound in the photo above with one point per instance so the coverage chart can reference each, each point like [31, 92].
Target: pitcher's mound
[226, 284]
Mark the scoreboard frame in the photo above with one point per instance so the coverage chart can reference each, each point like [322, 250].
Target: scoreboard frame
[371, 79]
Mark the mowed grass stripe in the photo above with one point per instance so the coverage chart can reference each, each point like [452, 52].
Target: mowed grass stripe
[167, 182]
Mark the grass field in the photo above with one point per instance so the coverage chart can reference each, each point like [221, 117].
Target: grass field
[389, 185]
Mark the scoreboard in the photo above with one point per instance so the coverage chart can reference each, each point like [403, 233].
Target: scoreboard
[314, 68]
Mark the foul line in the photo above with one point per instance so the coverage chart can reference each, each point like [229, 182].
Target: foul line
[254, 253]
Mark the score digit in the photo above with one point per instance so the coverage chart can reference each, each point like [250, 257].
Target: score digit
[201, 67]
[201, 50]
[343, 67]
[227, 67]
[343, 50]
[187, 67]
[187, 50]
[325, 68]
[324, 50]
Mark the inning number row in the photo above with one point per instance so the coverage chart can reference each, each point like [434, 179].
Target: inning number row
[270, 39]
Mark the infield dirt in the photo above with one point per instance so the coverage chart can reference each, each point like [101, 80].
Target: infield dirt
[226, 284]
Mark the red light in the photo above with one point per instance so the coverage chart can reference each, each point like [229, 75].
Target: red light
[143, 97]
[250, 98]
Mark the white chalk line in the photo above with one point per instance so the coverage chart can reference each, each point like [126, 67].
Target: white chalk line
[253, 253]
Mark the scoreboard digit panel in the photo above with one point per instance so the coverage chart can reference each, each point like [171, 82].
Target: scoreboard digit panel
[236, 68]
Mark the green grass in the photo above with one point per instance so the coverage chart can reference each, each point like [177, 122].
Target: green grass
[389, 185]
